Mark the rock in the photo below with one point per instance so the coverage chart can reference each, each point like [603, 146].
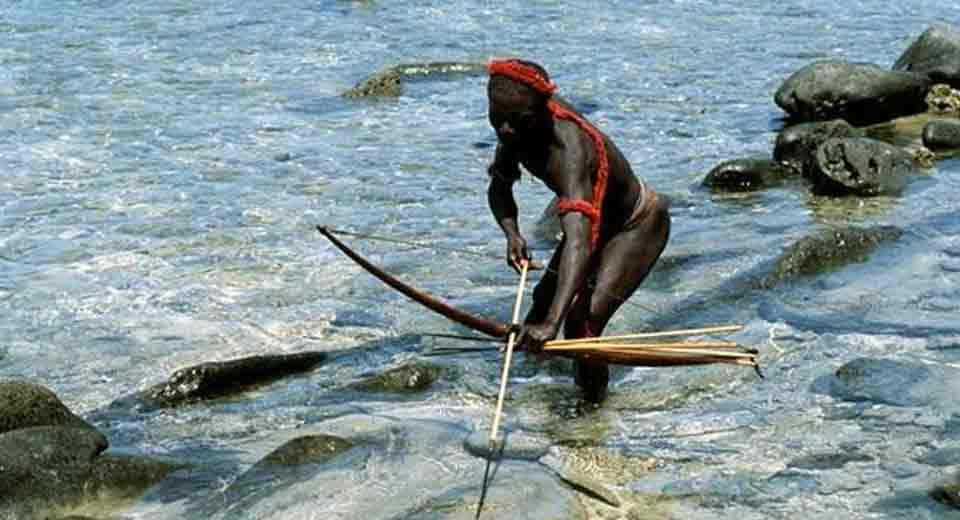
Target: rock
[49, 447]
[943, 100]
[125, 476]
[797, 145]
[308, 449]
[856, 92]
[746, 175]
[24, 404]
[410, 378]
[223, 378]
[948, 495]
[941, 457]
[827, 461]
[936, 54]
[389, 82]
[828, 250]
[941, 135]
[519, 446]
[860, 166]
[896, 383]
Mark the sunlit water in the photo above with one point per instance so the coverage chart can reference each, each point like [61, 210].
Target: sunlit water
[164, 165]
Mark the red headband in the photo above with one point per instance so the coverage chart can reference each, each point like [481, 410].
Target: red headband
[525, 74]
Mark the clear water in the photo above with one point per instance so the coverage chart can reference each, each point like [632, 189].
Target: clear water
[164, 164]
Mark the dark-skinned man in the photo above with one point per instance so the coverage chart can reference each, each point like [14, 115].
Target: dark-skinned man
[614, 226]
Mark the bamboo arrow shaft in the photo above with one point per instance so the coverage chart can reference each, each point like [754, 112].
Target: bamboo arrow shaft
[507, 359]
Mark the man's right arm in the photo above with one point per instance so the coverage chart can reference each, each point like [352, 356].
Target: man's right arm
[503, 172]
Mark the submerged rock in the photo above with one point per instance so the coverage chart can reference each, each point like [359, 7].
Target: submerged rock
[223, 378]
[24, 404]
[797, 145]
[860, 166]
[389, 82]
[936, 54]
[856, 92]
[828, 250]
[942, 135]
[746, 175]
[308, 449]
[948, 495]
[410, 378]
[511, 445]
[894, 382]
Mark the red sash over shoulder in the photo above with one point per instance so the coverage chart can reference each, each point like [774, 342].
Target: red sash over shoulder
[532, 78]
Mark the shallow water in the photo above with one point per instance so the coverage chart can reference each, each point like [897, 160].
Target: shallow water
[165, 164]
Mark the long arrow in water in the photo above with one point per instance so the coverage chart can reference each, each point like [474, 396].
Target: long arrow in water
[477, 323]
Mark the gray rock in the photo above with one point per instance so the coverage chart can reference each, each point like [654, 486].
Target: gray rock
[936, 54]
[896, 383]
[942, 134]
[511, 445]
[410, 378]
[746, 175]
[50, 447]
[797, 145]
[308, 449]
[223, 378]
[389, 82]
[856, 92]
[24, 404]
[826, 461]
[860, 166]
[827, 250]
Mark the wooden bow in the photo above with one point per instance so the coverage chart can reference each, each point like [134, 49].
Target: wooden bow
[483, 325]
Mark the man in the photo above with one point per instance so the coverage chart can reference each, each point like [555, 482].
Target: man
[614, 227]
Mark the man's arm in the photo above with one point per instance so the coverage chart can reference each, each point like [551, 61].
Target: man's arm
[503, 172]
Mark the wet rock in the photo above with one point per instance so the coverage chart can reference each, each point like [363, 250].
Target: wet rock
[517, 490]
[389, 82]
[948, 495]
[50, 447]
[897, 383]
[309, 449]
[942, 135]
[943, 100]
[860, 166]
[745, 175]
[856, 92]
[828, 250]
[826, 461]
[411, 378]
[936, 54]
[519, 446]
[24, 404]
[40, 492]
[941, 457]
[796, 145]
[223, 378]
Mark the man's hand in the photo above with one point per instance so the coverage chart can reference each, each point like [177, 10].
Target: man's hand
[534, 335]
[516, 252]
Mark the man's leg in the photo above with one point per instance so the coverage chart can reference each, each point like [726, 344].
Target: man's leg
[624, 263]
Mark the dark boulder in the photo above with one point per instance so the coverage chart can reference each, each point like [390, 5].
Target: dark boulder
[24, 404]
[410, 378]
[797, 145]
[942, 134]
[936, 54]
[859, 93]
[224, 378]
[50, 447]
[827, 250]
[948, 495]
[860, 166]
[746, 175]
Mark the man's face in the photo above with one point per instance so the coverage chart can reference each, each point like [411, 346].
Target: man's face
[515, 116]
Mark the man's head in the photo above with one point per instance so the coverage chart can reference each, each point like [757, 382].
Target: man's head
[518, 92]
